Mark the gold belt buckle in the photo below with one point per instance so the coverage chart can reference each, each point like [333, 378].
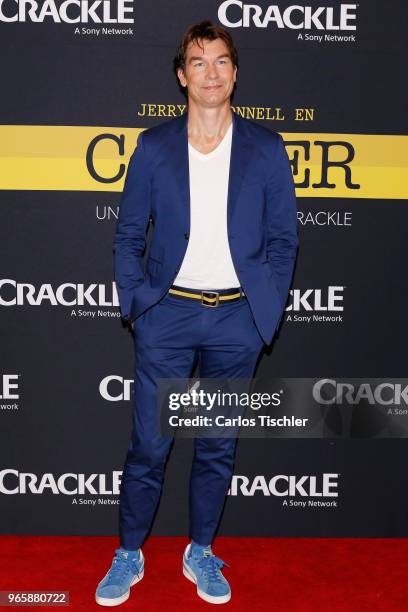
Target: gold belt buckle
[212, 294]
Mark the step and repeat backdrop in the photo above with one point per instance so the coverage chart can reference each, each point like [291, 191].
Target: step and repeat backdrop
[80, 80]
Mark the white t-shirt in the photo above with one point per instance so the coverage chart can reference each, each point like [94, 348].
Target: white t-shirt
[207, 263]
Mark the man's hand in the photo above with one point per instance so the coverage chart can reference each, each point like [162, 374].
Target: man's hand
[128, 321]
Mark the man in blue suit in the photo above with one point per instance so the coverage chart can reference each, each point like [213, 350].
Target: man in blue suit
[219, 192]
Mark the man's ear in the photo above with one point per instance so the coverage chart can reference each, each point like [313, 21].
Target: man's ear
[181, 76]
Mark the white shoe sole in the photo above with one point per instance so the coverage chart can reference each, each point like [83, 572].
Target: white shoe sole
[116, 601]
[190, 575]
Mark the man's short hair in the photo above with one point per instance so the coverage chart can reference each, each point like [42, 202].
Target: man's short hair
[205, 30]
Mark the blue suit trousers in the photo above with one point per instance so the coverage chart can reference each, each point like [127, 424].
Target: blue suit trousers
[169, 338]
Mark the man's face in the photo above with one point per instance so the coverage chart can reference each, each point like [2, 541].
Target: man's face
[209, 73]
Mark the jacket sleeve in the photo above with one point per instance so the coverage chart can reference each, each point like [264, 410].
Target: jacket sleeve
[282, 238]
[130, 237]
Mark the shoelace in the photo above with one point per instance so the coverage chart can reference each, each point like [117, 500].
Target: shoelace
[211, 565]
[119, 566]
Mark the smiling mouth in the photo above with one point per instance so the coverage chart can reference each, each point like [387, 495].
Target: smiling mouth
[210, 87]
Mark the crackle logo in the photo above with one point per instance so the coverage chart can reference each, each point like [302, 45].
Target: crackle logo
[330, 392]
[115, 388]
[69, 11]
[282, 485]
[325, 218]
[237, 14]
[14, 293]
[313, 305]
[9, 392]
[13, 482]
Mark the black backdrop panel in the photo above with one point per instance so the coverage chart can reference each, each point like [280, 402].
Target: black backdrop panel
[66, 370]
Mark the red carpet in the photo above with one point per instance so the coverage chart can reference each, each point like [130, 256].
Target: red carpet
[282, 574]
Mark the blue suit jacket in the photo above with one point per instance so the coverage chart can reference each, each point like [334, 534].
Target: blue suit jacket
[261, 218]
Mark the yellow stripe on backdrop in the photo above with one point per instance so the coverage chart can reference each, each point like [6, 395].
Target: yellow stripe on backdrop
[78, 158]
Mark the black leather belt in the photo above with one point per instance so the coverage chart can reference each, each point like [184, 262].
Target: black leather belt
[209, 298]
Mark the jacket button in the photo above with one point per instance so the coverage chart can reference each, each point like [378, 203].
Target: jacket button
[186, 236]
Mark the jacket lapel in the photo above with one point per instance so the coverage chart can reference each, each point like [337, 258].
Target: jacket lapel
[178, 158]
[241, 152]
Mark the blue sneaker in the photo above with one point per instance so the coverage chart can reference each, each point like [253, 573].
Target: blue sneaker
[127, 568]
[202, 567]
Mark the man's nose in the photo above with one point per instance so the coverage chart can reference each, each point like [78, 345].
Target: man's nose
[212, 71]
